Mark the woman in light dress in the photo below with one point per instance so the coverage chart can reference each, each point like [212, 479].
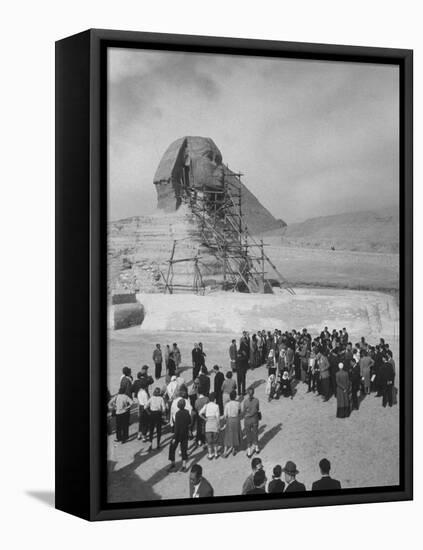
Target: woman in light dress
[232, 415]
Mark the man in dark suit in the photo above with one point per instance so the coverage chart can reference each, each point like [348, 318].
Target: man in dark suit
[292, 485]
[233, 354]
[386, 379]
[199, 487]
[241, 371]
[180, 436]
[219, 378]
[326, 482]
[204, 382]
[197, 357]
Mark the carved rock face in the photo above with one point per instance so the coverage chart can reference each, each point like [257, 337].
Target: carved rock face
[193, 161]
[197, 162]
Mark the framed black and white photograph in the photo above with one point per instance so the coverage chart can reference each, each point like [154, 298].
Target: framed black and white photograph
[234, 274]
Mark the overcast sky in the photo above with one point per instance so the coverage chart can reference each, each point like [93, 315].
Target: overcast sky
[312, 138]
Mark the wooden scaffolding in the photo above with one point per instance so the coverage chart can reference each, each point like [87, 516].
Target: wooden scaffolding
[245, 264]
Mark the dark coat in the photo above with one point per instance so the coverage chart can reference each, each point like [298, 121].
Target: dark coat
[325, 483]
[232, 352]
[355, 377]
[204, 384]
[295, 487]
[126, 385]
[219, 378]
[205, 489]
[197, 357]
[386, 374]
[276, 486]
[182, 424]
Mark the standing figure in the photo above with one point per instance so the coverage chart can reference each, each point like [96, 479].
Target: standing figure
[387, 376]
[355, 380]
[232, 437]
[219, 378]
[121, 405]
[200, 434]
[324, 376]
[241, 371]
[271, 367]
[167, 353]
[233, 355]
[204, 381]
[366, 364]
[203, 354]
[303, 353]
[177, 357]
[143, 417]
[156, 406]
[342, 393]
[158, 361]
[254, 353]
[126, 381]
[252, 416]
[171, 364]
[211, 415]
[310, 371]
[289, 359]
[229, 385]
[197, 358]
[180, 436]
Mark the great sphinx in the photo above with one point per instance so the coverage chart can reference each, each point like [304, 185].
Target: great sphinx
[194, 163]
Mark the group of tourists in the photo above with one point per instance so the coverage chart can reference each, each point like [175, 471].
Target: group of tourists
[329, 364]
[283, 480]
[209, 411]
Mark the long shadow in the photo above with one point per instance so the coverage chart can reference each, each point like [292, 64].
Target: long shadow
[125, 485]
[163, 473]
[184, 369]
[269, 435]
[244, 445]
[256, 384]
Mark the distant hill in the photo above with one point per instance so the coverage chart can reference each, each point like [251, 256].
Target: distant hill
[368, 231]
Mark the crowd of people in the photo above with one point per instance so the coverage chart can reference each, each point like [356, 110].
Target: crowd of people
[210, 412]
[283, 480]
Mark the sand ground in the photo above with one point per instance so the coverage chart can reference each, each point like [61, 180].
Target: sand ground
[363, 449]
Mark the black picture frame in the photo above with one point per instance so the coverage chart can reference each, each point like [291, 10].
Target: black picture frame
[81, 278]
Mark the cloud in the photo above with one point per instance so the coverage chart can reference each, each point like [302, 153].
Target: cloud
[312, 138]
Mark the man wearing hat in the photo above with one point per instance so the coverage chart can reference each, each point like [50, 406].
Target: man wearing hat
[292, 485]
[326, 482]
